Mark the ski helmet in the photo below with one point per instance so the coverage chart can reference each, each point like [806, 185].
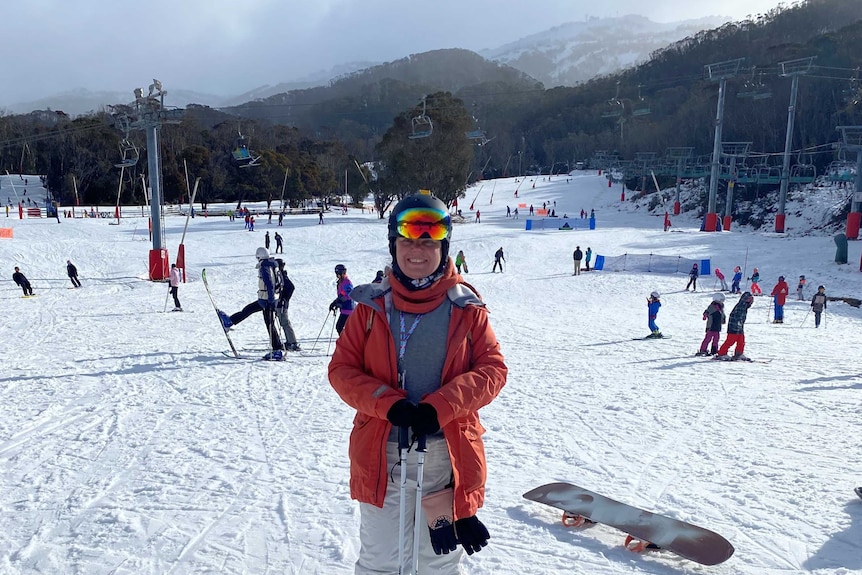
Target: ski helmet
[718, 271]
[746, 298]
[428, 210]
[821, 288]
[718, 297]
[262, 254]
[737, 268]
[655, 295]
[781, 278]
[340, 269]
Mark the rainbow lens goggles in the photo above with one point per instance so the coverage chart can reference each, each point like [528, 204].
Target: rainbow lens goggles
[417, 223]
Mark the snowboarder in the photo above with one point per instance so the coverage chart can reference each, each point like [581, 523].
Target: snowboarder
[818, 304]
[175, 278]
[285, 292]
[735, 329]
[266, 284]
[460, 260]
[22, 281]
[577, 255]
[779, 295]
[342, 302]
[720, 277]
[799, 288]
[589, 256]
[420, 304]
[279, 247]
[653, 305]
[498, 260]
[737, 277]
[692, 278]
[715, 318]
[755, 280]
[72, 272]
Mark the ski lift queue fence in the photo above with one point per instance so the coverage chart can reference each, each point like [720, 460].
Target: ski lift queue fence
[542, 220]
[115, 212]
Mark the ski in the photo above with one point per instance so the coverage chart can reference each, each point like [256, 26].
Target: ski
[215, 307]
[858, 491]
[746, 360]
[650, 337]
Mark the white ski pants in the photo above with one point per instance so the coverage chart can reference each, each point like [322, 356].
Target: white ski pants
[378, 531]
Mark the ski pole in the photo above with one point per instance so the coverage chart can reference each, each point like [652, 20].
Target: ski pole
[326, 319]
[417, 523]
[402, 503]
[331, 331]
[167, 295]
[804, 318]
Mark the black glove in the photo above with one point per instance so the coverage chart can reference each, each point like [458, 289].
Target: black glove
[334, 305]
[472, 534]
[443, 539]
[401, 414]
[438, 508]
[425, 420]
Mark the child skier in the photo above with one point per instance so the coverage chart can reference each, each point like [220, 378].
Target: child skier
[779, 295]
[735, 329]
[737, 277]
[799, 287]
[714, 317]
[653, 304]
[720, 277]
[818, 304]
[755, 279]
[342, 303]
[460, 260]
[692, 278]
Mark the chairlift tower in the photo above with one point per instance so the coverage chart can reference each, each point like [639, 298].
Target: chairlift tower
[851, 140]
[149, 113]
[732, 150]
[681, 155]
[794, 69]
[719, 72]
[644, 161]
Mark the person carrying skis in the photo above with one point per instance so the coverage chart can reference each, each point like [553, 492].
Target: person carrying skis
[715, 318]
[444, 366]
[589, 256]
[22, 281]
[72, 272]
[737, 277]
[653, 305]
[498, 260]
[799, 288]
[720, 277]
[342, 302]
[818, 304]
[736, 330]
[175, 278]
[779, 298]
[285, 292]
[266, 282]
[755, 280]
[460, 260]
[692, 278]
[577, 255]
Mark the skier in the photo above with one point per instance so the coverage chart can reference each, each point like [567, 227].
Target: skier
[779, 295]
[735, 329]
[692, 278]
[755, 280]
[22, 281]
[720, 277]
[714, 317]
[266, 241]
[737, 277]
[424, 305]
[174, 280]
[285, 292]
[653, 305]
[799, 288]
[818, 304]
[577, 255]
[279, 247]
[378, 278]
[72, 272]
[498, 260]
[460, 260]
[478, 217]
[342, 302]
[266, 282]
[589, 256]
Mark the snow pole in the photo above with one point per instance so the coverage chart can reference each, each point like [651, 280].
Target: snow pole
[745, 263]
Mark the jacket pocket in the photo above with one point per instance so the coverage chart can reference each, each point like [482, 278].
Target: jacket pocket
[471, 463]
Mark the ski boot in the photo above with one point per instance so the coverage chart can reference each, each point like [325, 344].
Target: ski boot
[276, 355]
[226, 323]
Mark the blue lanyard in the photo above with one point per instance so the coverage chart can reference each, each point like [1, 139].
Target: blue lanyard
[405, 336]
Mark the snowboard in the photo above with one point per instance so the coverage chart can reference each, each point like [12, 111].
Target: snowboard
[645, 530]
[215, 307]
[649, 338]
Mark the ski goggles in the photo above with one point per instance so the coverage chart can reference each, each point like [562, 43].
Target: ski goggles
[417, 223]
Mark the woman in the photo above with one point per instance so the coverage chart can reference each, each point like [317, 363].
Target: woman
[419, 354]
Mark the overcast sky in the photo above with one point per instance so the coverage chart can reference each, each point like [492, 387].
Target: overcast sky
[227, 47]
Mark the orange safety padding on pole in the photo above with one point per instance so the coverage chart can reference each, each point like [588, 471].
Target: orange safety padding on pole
[853, 221]
[159, 268]
[676, 208]
[181, 260]
[6, 233]
[779, 222]
[728, 220]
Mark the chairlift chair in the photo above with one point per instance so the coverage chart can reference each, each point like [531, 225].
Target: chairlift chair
[129, 153]
[242, 156]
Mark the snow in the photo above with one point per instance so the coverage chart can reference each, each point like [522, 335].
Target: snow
[130, 444]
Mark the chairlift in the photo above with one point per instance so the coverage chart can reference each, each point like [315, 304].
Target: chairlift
[641, 109]
[242, 156]
[421, 125]
[755, 89]
[129, 154]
